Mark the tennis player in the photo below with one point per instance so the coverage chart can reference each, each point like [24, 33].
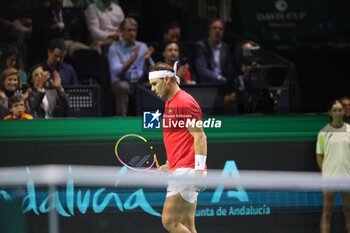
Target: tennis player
[333, 158]
[186, 148]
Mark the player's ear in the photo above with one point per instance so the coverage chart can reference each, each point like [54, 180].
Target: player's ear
[167, 79]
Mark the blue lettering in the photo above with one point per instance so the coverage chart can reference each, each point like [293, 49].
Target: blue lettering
[230, 169]
[98, 208]
[138, 199]
[54, 202]
[30, 198]
[82, 205]
[5, 195]
[70, 193]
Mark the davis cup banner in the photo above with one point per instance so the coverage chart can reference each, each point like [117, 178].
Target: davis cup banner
[293, 22]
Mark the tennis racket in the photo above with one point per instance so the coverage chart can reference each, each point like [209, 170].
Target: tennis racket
[134, 152]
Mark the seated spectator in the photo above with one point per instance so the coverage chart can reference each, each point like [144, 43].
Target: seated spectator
[11, 58]
[9, 85]
[55, 54]
[171, 54]
[128, 60]
[172, 33]
[214, 62]
[15, 21]
[47, 97]
[17, 109]
[55, 22]
[103, 18]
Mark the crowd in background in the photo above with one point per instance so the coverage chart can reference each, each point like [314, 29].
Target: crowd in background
[44, 51]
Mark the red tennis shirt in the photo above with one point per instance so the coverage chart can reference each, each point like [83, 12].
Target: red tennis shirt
[179, 143]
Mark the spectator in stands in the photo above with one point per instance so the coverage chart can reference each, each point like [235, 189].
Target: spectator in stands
[103, 18]
[128, 63]
[11, 58]
[9, 86]
[346, 104]
[171, 54]
[214, 62]
[47, 97]
[55, 55]
[172, 33]
[17, 109]
[16, 21]
[58, 22]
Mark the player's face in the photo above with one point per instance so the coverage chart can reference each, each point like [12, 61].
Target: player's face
[18, 109]
[337, 112]
[159, 87]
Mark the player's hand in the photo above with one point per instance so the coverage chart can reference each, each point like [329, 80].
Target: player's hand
[163, 168]
[200, 188]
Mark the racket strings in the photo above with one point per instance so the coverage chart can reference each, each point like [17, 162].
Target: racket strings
[139, 161]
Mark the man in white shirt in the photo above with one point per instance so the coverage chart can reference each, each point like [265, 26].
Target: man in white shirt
[103, 18]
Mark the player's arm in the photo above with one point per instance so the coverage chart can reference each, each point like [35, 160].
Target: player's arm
[319, 160]
[320, 149]
[200, 147]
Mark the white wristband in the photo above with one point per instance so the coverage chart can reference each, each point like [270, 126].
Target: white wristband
[199, 161]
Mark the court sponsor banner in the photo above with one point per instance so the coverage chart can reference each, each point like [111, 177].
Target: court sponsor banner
[73, 199]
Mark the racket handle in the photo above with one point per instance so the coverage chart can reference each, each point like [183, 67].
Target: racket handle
[156, 160]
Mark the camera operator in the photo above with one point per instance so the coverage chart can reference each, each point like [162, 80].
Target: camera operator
[251, 95]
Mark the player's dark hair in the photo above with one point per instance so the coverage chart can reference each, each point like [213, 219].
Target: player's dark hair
[161, 66]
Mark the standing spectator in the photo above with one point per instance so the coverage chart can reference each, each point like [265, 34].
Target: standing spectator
[103, 18]
[346, 104]
[57, 22]
[47, 97]
[214, 62]
[55, 54]
[11, 58]
[17, 109]
[333, 159]
[128, 60]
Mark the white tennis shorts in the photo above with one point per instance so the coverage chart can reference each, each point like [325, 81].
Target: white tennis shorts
[186, 189]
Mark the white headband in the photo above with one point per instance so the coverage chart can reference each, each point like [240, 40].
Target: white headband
[163, 73]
